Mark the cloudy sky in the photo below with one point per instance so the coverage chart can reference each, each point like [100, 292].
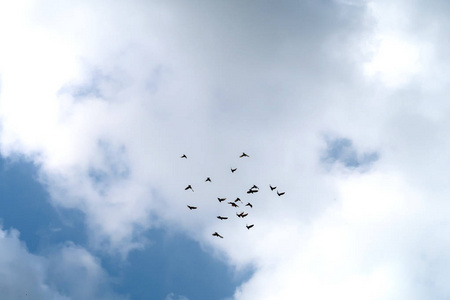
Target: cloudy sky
[341, 104]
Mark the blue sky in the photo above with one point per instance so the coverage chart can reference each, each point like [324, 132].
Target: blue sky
[341, 104]
[171, 264]
[26, 207]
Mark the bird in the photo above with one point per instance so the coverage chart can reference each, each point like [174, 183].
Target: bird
[192, 207]
[237, 199]
[208, 179]
[272, 187]
[189, 187]
[184, 156]
[233, 170]
[280, 194]
[249, 226]
[240, 215]
[222, 218]
[218, 235]
[244, 155]
[244, 215]
[254, 187]
[221, 199]
[233, 204]
[249, 204]
[250, 191]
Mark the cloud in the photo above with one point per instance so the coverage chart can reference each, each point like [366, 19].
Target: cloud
[111, 109]
[70, 272]
[172, 296]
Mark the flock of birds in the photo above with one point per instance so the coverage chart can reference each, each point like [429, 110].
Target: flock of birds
[252, 190]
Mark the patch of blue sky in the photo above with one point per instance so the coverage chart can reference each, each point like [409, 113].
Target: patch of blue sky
[172, 263]
[24, 206]
[342, 150]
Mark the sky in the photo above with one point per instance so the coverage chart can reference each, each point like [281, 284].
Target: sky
[341, 104]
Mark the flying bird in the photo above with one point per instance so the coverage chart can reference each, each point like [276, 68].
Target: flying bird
[250, 191]
[272, 187]
[233, 170]
[244, 215]
[254, 187]
[249, 226]
[237, 199]
[221, 199]
[184, 156]
[192, 207]
[189, 187]
[233, 204]
[222, 218]
[244, 155]
[218, 235]
[208, 179]
[280, 194]
[249, 204]
[240, 215]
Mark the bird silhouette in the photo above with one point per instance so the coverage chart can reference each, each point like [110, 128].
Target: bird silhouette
[233, 204]
[233, 170]
[218, 235]
[249, 226]
[184, 156]
[254, 187]
[192, 207]
[244, 155]
[244, 215]
[189, 187]
[249, 204]
[280, 194]
[208, 179]
[237, 199]
[250, 191]
[240, 215]
[272, 187]
[222, 218]
[221, 199]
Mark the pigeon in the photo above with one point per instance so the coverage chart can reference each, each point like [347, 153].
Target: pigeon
[244, 155]
[249, 204]
[249, 226]
[233, 204]
[272, 187]
[184, 156]
[233, 170]
[189, 187]
[192, 207]
[208, 179]
[218, 235]
[254, 187]
[222, 218]
[244, 215]
[280, 194]
[240, 215]
[237, 199]
[221, 199]
[250, 191]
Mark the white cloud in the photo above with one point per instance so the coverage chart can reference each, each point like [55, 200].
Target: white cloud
[172, 296]
[70, 272]
[115, 99]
